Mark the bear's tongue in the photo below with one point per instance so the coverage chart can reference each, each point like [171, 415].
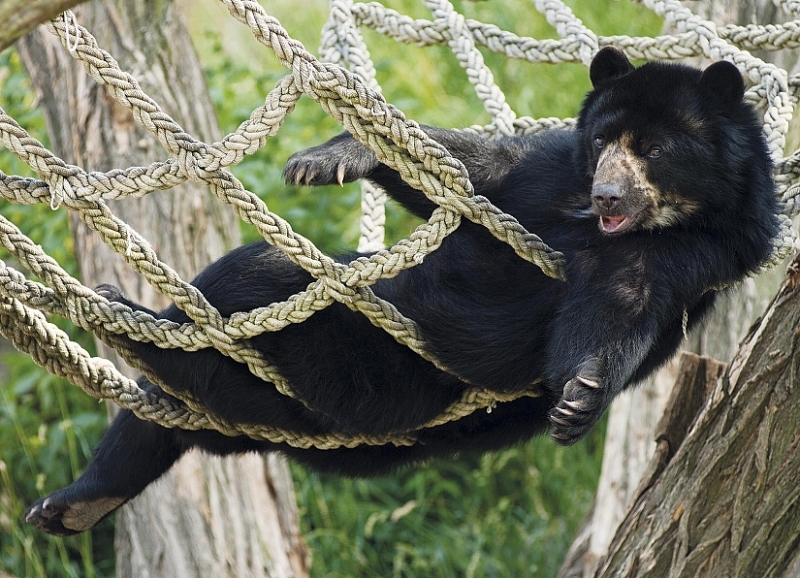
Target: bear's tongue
[612, 224]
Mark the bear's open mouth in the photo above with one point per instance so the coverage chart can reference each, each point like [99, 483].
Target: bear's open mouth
[616, 223]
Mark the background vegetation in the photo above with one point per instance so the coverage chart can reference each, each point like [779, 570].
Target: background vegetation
[513, 513]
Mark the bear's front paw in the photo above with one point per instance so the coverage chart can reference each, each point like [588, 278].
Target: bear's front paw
[338, 161]
[110, 292]
[115, 295]
[581, 405]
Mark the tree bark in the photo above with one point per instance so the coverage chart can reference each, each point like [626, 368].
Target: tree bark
[21, 16]
[724, 500]
[207, 516]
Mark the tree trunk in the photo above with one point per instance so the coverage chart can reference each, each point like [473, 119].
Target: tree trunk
[725, 501]
[207, 516]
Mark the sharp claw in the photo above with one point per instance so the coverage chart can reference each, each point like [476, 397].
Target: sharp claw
[564, 410]
[310, 174]
[340, 175]
[573, 405]
[559, 421]
[588, 382]
[298, 176]
[560, 436]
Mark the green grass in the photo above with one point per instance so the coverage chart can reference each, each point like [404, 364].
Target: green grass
[512, 513]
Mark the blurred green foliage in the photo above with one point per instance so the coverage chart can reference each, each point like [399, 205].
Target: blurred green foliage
[513, 513]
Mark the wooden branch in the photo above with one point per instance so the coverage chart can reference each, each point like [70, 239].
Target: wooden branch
[721, 497]
[21, 16]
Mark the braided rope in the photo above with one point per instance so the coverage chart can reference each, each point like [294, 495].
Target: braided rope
[471, 60]
[353, 99]
[343, 44]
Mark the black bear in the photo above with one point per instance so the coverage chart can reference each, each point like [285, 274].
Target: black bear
[661, 197]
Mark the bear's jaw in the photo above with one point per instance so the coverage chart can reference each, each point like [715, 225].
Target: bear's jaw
[614, 224]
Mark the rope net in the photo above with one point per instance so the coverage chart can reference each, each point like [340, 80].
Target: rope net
[344, 84]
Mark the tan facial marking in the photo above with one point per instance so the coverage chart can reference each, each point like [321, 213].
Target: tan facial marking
[671, 209]
[620, 164]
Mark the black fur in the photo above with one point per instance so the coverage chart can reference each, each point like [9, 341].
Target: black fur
[694, 210]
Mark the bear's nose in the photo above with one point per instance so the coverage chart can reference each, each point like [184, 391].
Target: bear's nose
[607, 196]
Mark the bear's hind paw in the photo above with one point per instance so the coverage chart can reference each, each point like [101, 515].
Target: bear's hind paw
[58, 516]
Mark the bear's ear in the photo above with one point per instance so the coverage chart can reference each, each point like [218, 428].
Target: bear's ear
[608, 64]
[722, 84]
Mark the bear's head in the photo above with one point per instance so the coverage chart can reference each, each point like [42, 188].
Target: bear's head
[669, 145]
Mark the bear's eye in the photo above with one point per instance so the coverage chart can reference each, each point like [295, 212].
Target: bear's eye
[654, 152]
[599, 141]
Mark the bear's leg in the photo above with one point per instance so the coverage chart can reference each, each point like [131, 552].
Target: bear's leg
[179, 369]
[132, 454]
[343, 159]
